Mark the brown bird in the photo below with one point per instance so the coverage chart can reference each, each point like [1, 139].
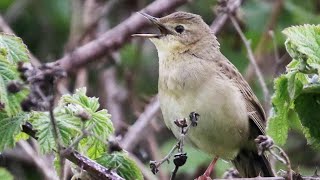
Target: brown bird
[195, 76]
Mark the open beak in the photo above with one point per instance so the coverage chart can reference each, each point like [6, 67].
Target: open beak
[163, 30]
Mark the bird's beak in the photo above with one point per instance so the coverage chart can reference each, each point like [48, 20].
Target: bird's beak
[163, 30]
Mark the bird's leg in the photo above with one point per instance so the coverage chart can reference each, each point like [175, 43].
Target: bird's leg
[211, 167]
[207, 173]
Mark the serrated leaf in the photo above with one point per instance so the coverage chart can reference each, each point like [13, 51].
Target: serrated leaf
[21, 136]
[8, 73]
[278, 124]
[68, 126]
[304, 39]
[15, 49]
[122, 163]
[9, 128]
[5, 175]
[307, 106]
[295, 86]
[99, 123]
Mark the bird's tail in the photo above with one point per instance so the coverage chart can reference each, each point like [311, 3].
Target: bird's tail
[250, 164]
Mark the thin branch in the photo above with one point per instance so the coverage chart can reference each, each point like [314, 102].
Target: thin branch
[260, 48]
[145, 171]
[132, 137]
[222, 17]
[57, 138]
[115, 95]
[252, 59]
[116, 37]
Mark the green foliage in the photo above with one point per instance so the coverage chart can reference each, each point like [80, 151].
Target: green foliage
[69, 123]
[12, 51]
[9, 128]
[278, 123]
[98, 123]
[74, 114]
[5, 175]
[308, 109]
[294, 93]
[68, 126]
[121, 162]
[13, 48]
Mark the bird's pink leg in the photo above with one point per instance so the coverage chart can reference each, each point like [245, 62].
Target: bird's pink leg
[209, 170]
[211, 166]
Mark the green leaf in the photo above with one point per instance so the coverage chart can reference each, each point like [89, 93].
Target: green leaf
[295, 85]
[5, 175]
[307, 106]
[99, 123]
[9, 73]
[13, 48]
[304, 39]
[278, 124]
[9, 128]
[68, 127]
[122, 163]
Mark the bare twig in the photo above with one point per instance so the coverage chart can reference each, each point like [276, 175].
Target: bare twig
[180, 158]
[115, 95]
[114, 38]
[251, 58]
[57, 138]
[5, 28]
[154, 151]
[272, 21]
[222, 17]
[145, 171]
[39, 162]
[131, 138]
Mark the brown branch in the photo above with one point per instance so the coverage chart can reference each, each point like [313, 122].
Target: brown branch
[222, 17]
[132, 137]
[251, 58]
[114, 38]
[93, 168]
[265, 37]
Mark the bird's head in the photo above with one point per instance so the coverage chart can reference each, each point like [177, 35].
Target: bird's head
[178, 31]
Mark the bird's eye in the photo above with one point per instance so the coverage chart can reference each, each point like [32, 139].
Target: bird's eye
[179, 29]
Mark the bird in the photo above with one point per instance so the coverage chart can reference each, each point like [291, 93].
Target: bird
[194, 76]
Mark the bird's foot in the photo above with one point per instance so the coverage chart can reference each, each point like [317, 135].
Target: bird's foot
[231, 174]
[264, 143]
[204, 177]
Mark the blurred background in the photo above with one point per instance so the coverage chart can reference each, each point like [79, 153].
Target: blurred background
[125, 80]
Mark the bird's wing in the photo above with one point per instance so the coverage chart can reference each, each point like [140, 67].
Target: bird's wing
[254, 108]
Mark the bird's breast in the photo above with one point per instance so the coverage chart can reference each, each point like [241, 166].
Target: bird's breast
[196, 87]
